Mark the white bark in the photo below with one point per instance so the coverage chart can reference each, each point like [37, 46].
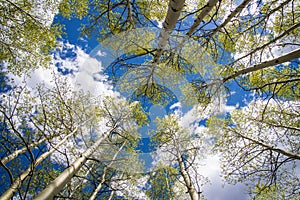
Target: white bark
[276, 61]
[15, 154]
[81, 182]
[278, 150]
[270, 42]
[111, 195]
[102, 178]
[187, 180]
[174, 10]
[231, 15]
[207, 8]
[17, 183]
[56, 185]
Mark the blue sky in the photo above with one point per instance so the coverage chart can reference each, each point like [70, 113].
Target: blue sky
[215, 191]
[88, 64]
[75, 49]
[238, 97]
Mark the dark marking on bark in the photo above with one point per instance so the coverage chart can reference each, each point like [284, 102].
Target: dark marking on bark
[174, 10]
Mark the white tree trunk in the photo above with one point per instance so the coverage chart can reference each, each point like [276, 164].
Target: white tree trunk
[230, 16]
[111, 195]
[268, 43]
[102, 178]
[15, 154]
[174, 10]
[56, 185]
[278, 150]
[81, 182]
[276, 61]
[7, 195]
[207, 8]
[187, 180]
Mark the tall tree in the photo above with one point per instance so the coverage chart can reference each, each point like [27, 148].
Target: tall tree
[254, 43]
[120, 117]
[32, 122]
[182, 151]
[264, 151]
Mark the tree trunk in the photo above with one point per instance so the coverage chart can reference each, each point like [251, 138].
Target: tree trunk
[17, 183]
[276, 61]
[231, 15]
[81, 182]
[15, 154]
[57, 185]
[270, 42]
[103, 174]
[271, 148]
[187, 180]
[207, 8]
[111, 195]
[174, 10]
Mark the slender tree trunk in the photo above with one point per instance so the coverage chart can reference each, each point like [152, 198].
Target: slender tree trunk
[129, 15]
[174, 10]
[15, 154]
[230, 16]
[113, 190]
[270, 42]
[17, 183]
[187, 180]
[207, 8]
[276, 61]
[57, 185]
[81, 182]
[103, 174]
[111, 195]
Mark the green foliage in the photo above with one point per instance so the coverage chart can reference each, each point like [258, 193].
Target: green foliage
[262, 192]
[153, 9]
[287, 18]
[42, 177]
[162, 182]
[26, 38]
[74, 8]
[261, 138]
[258, 143]
[132, 42]
[106, 18]
[226, 42]
[167, 130]
[280, 82]
[155, 93]
[139, 114]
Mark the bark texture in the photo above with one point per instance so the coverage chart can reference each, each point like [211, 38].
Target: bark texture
[56, 185]
[8, 194]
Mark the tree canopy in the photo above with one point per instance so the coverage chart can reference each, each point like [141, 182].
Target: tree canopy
[60, 141]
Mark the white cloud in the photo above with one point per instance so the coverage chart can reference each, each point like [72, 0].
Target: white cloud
[83, 71]
[90, 77]
[189, 117]
[175, 105]
[36, 77]
[218, 190]
[228, 109]
[160, 24]
[101, 53]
